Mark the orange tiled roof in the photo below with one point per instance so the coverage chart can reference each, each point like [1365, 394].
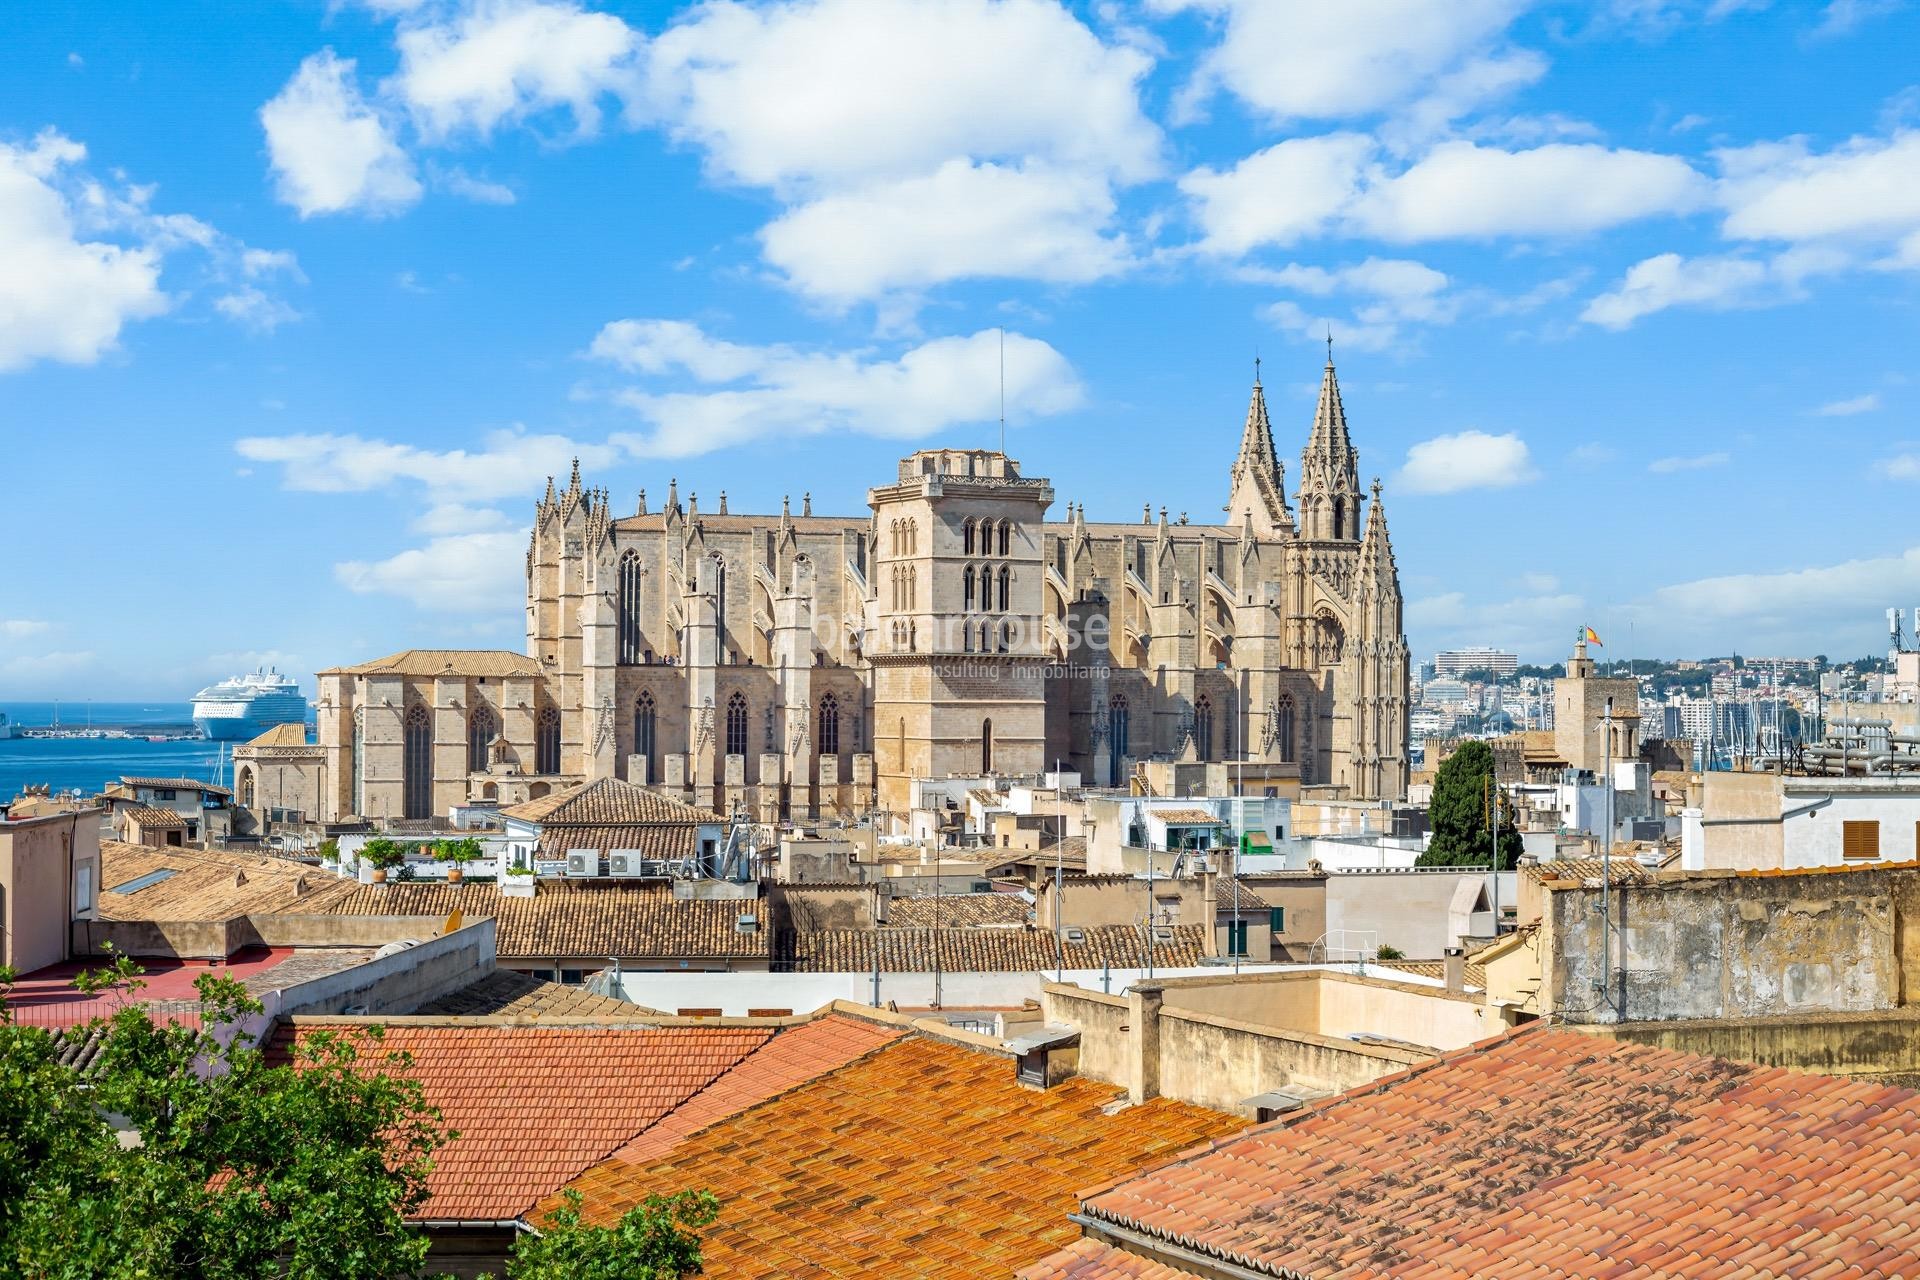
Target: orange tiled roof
[1092, 1260]
[535, 1106]
[924, 1159]
[1021, 949]
[950, 909]
[208, 884]
[1551, 1155]
[792, 1058]
[152, 819]
[609, 802]
[576, 919]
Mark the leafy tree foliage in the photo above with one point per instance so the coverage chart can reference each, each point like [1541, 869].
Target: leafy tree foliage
[656, 1240]
[186, 1155]
[1458, 816]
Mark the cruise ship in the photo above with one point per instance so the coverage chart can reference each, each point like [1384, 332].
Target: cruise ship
[244, 707]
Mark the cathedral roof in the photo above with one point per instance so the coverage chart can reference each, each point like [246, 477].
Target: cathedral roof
[445, 662]
[609, 802]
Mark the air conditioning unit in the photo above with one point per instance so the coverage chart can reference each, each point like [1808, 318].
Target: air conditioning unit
[631, 863]
[747, 924]
[583, 862]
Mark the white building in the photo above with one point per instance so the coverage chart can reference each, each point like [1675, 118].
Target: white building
[1457, 662]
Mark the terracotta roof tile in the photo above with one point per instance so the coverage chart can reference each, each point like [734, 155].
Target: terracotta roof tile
[178, 784]
[505, 993]
[577, 919]
[1092, 1260]
[281, 735]
[951, 909]
[152, 819]
[535, 1106]
[1546, 1155]
[981, 950]
[1186, 817]
[444, 662]
[208, 884]
[924, 1159]
[609, 802]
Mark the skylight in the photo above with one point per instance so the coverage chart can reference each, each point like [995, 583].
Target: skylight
[138, 883]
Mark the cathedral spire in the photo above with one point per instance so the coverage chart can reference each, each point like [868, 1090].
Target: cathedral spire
[1376, 549]
[1259, 479]
[1329, 486]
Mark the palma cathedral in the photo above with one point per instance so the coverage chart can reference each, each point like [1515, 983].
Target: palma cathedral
[806, 665]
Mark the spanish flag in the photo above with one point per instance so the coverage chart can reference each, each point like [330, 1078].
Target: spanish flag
[1593, 637]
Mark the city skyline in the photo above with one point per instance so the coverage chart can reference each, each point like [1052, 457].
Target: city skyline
[316, 301]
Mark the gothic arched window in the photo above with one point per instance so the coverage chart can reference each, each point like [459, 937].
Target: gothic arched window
[966, 537]
[1006, 527]
[546, 742]
[829, 725]
[644, 724]
[737, 725]
[986, 746]
[1006, 637]
[720, 603]
[1203, 727]
[1006, 576]
[1284, 728]
[246, 788]
[482, 728]
[966, 584]
[416, 764]
[359, 759]
[630, 595]
[1117, 739]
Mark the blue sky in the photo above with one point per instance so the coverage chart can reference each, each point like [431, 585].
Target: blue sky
[301, 303]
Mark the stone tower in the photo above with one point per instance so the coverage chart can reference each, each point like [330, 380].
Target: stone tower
[1377, 654]
[1579, 707]
[958, 679]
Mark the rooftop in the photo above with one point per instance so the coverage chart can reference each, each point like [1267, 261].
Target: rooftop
[506, 993]
[972, 909]
[1544, 1154]
[152, 819]
[982, 950]
[143, 882]
[504, 1089]
[593, 919]
[923, 1159]
[178, 784]
[444, 662]
[281, 735]
[47, 998]
[609, 802]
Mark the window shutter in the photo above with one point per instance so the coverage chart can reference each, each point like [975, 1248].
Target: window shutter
[1859, 839]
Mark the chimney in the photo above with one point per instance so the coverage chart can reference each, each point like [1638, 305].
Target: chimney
[1455, 966]
[1143, 1019]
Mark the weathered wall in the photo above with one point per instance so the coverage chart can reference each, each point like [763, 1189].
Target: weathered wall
[1882, 1046]
[1290, 1000]
[184, 939]
[1350, 1005]
[1218, 1062]
[1105, 1044]
[1730, 946]
[401, 982]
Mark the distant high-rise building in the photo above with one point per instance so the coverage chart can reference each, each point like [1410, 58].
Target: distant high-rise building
[1457, 662]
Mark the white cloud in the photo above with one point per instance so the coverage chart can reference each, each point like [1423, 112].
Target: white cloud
[448, 518]
[1466, 460]
[1796, 605]
[63, 297]
[1320, 61]
[457, 181]
[1353, 334]
[500, 61]
[752, 393]
[255, 309]
[844, 92]
[330, 150]
[1537, 622]
[1902, 466]
[502, 467]
[1289, 192]
[963, 221]
[1715, 282]
[1842, 17]
[1460, 189]
[1847, 408]
[481, 573]
[1338, 184]
[1693, 462]
[1864, 190]
[20, 628]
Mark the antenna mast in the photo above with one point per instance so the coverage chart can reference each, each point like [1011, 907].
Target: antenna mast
[1003, 390]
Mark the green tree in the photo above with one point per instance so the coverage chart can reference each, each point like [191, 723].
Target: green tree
[1458, 816]
[185, 1154]
[657, 1239]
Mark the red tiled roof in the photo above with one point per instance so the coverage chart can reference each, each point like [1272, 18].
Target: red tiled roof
[792, 1058]
[1092, 1260]
[535, 1106]
[924, 1159]
[1550, 1155]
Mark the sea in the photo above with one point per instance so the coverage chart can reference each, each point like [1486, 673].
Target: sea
[89, 764]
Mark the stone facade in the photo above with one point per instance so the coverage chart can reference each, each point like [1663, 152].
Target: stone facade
[811, 665]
